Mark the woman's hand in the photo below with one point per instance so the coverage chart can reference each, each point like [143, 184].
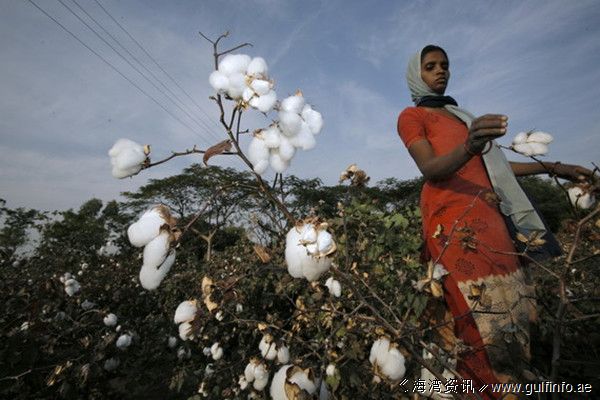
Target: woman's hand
[573, 173]
[484, 129]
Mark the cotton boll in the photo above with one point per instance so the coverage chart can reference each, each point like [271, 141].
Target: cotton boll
[242, 382]
[157, 250]
[261, 87]
[324, 242]
[378, 350]
[308, 234]
[151, 277]
[580, 198]
[264, 103]
[110, 320]
[538, 149]
[186, 311]
[111, 364]
[301, 378]
[260, 384]
[290, 123]
[540, 137]
[394, 367]
[237, 84]
[219, 81]
[334, 286]
[185, 331]
[131, 157]
[293, 104]
[271, 352]
[304, 139]
[520, 138]
[120, 173]
[283, 355]
[294, 253]
[257, 151]
[72, 286]
[261, 166]
[124, 341]
[271, 136]
[261, 377]
[330, 370]
[257, 67]
[216, 351]
[172, 342]
[313, 267]
[286, 148]
[234, 63]
[524, 149]
[143, 231]
[277, 389]
[248, 94]
[249, 371]
[313, 118]
[277, 163]
[264, 344]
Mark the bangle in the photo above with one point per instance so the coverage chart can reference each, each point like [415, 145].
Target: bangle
[488, 149]
[469, 151]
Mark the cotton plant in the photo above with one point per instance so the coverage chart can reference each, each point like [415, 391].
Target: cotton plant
[387, 359]
[581, 197]
[128, 158]
[292, 382]
[334, 287]
[185, 314]
[532, 143]
[308, 249]
[155, 231]
[256, 372]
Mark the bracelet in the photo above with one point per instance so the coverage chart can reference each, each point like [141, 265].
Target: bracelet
[488, 149]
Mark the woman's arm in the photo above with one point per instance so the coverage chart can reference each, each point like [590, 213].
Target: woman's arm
[435, 168]
[565, 171]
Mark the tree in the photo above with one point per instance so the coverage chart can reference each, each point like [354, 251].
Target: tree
[16, 224]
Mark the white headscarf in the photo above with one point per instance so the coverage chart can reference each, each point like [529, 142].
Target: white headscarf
[514, 202]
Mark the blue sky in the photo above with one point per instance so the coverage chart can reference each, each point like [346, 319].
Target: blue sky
[62, 108]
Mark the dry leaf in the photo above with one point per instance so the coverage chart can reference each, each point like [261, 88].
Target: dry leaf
[262, 253]
[436, 289]
[439, 229]
[522, 238]
[217, 149]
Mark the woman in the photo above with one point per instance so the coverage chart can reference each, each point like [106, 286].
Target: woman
[468, 184]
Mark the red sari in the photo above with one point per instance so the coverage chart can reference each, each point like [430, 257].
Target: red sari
[463, 229]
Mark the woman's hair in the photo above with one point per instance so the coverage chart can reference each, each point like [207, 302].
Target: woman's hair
[429, 48]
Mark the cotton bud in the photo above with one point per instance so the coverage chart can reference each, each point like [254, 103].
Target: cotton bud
[386, 359]
[293, 104]
[218, 81]
[147, 227]
[257, 68]
[127, 157]
[172, 342]
[111, 364]
[283, 355]
[581, 198]
[294, 380]
[234, 63]
[186, 311]
[335, 288]
[313, 119]
[124, 341]
[216, 351]
[185, 331]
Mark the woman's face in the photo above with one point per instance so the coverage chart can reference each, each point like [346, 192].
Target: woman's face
[435, 72]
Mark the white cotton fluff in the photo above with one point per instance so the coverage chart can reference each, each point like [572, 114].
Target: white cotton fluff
[219, 316]
[172, 342]
[330, 370]
[257, 67]
[72, 286]
[126, 158]
[248, 94]
[324, 242]
[304, 139]
[286, 148]
[124, 341]
[157, 250]
[185, 331]
[257, 151]
[234, 63]
[151, 277]
[261, 87]
[261, 377]
[237, 84]
[271, 136]
[388, 358]
[289, 123]
[301, 378]
[580, 198]
[216, 351]
[249, 371]
[145, 229]
[283, 354]
[539, 137]
[278, 164]
[111, 364]
[308, 234]
[110, 320]
[334, 286]
[242, 382]
[219, 81]
[313, 118]
[264, 103]
[293, 104]
[538, 149]
[439, 271]
[299, 262]
[524, 149]
[186, 311]
[277, 389]
[519, 138]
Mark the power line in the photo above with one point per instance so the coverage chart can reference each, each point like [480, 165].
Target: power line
[187, 111]
[158, 65]
[130, 64]
[110, 65]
